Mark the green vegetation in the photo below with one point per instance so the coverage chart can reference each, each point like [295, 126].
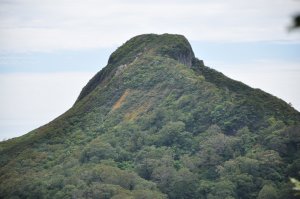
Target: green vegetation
[296, 185]
[157, 123]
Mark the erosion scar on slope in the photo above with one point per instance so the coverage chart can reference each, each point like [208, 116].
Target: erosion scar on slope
[120, 100]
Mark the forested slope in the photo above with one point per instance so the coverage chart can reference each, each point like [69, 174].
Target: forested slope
[157, 123]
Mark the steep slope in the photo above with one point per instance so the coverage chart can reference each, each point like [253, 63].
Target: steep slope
[156, 123]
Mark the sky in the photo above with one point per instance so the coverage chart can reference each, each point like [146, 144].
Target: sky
[50, 49]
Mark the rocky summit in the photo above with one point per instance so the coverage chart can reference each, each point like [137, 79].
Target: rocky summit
[157, 123]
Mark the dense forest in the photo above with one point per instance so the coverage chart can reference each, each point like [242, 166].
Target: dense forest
[157, 123]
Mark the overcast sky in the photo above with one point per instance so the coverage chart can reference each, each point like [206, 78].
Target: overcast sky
[49, 49]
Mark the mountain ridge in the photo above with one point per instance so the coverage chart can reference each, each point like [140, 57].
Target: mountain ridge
[157, 123]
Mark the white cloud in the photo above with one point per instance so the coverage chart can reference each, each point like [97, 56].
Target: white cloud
[54, 25]
[29, 100]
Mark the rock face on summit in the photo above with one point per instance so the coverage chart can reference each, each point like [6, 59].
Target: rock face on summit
[157, 123]
[172, 46]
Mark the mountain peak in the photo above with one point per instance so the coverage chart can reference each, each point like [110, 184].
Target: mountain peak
[171, 46]
[168, 45]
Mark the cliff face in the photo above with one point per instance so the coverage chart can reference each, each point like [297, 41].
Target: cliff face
[157, 123]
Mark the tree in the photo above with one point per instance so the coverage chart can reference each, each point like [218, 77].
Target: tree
[268, 192]
[174, 133]
[97, 151]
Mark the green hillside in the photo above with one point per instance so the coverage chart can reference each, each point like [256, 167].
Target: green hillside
[157, 123]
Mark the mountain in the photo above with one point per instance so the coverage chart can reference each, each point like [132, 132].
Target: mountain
[157, 123]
